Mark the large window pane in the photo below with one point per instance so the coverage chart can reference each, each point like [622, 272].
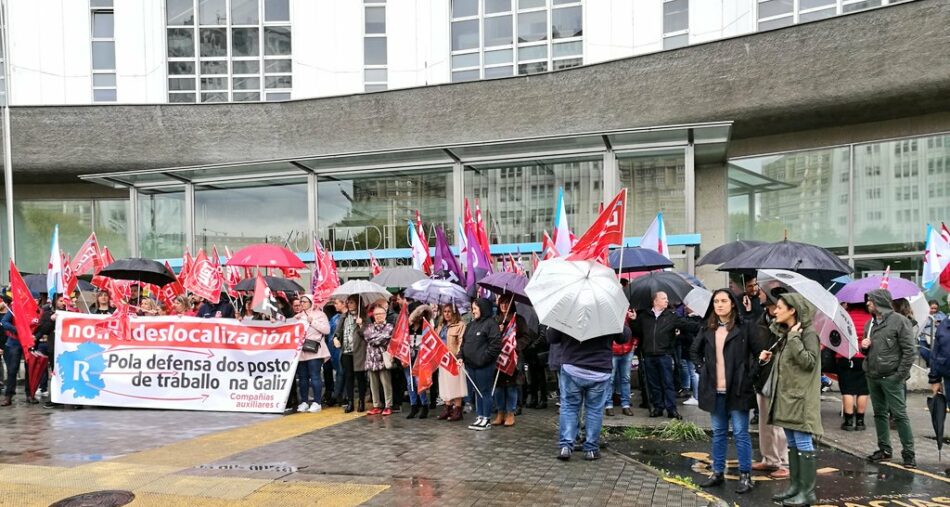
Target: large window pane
[103, 25]
[464, 34]
[492, 6]
[246, 66]
[803, 194]
[280, 214]
[533, 26]
[276, 10]
[675, 16]
[899, 187]
[369, 211]
[771, 8]
[466, 60]
[499, 56]
[518, 201]
[493, 72]
[245, 42]
[374, 51]
[161, 224]
[244, 12]
[212, 12]
[376, 20]
[180, 12]
[214, 42]
[498, 31]
[111, 226]
[177, 68]
[181, 43]
[277, 41]
[656, 183]
[567, 22]
[34, 221]
[104, 95]
[464, 8]
[103, 55]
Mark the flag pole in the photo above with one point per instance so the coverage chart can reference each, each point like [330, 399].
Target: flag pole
[494, 384]
[623, 238]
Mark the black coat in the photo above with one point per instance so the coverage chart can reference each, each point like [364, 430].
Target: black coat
[737, 353]
[658, 334]
[481, 343]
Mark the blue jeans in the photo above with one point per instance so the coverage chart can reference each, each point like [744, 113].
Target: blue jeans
[12, 355]
[799, 440]
[506, 398]
[310, 375]
[660, 382]
[482, 378]
[414, 398]
[621, 381]
[740, 433]
[693, 378]
[575, 391]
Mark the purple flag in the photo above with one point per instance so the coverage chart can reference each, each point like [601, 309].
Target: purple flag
[445, 262]
[477, 261]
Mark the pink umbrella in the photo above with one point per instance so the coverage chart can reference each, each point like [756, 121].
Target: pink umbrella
[854, 291]
[265, 255]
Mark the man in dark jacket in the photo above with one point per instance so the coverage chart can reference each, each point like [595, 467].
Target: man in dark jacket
[888, 345]
[939, 375]
[223, 309]
[656, 330]
[585, 378]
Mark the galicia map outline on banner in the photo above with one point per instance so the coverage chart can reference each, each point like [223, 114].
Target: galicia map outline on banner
[181, 363]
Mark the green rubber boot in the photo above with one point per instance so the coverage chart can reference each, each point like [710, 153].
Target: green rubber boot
[793, 474]
[807, 475]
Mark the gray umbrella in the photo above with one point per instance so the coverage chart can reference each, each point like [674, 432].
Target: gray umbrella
[810, 261]
[399, 277]
[728, 251]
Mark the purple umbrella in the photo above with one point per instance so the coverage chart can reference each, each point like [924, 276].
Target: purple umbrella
[439, 292]
[506, 283]
[854, 291]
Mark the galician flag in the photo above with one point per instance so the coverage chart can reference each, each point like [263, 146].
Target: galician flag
[655, 237]
[54, 270]
[936, 257]
[563, 239]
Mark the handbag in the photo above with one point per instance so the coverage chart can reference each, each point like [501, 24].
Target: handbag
[767, 388]
[312, 346]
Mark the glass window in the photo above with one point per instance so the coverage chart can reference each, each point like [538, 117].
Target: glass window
[161, 223]
[568, 49]
[180, 12]
[804, 5]
[246, 96]
[776, 23]
[464, 8]
[376, 20]
[212, 12]
[181, 97]
[531, 4]
[214, 83]
[277, 96]
[181, 43]
[103, 55]
[214, 97]
[375, 87]
[33, 224]
[464, 34]
[498, 31]
[857, 6]
[493, 6]
[214, 42]
[215, 67]
[567, 22]
[462, 61]
[277, 41]
[374, 51]
[675, 16]
[277, 66]
[103, 80]
[374, 75]
[181, 84]
[533, 26]
[100, 3]
[909, 267]
[816, 15]
[246, 66]
[244, 12]
[797, 193]
[493, 72]
[568, 63]
[518, 200]
[532, 68]
[369, 211]
[111, 226]
[181, 68]
[532, 52]
[103, 25]
[769, 8]
[498, 56]
[280, 213]
[465, 75]
[246, 83]
[676, 41]
[104, 95]
[656, 182]
[278, 81]
[276, 10]
[245, 42]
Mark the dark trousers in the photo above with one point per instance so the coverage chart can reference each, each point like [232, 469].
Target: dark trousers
[346, 360]
[400, 386]
[660, 382]
[12, 355]
[888, 397]
[537, 384]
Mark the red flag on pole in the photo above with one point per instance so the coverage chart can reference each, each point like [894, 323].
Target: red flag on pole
[26, 312]
[886, 279]
[263, 301]
[88, 258]
[70, 281]
[117, 324]
[103, 281]
[548, 251]
[187, 262]
[534, 262]
[400, 342]
[508, 359]
[168, 292]
[480, 231]
[606, 230]
[205, 279]
[375, 268]
[427, 263]
[432, 354]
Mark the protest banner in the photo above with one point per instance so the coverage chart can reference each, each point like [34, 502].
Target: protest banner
[183, 363]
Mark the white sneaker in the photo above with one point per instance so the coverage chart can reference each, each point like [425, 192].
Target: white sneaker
[691, 401]
[302, 407]
[475, 425]
[315, 408]
[41, 393]
[486, 425]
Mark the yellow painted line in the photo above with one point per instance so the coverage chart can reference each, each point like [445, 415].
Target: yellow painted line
[917, 471]
[213, 447]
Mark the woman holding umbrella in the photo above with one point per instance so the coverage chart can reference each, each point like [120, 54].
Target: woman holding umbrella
[795, 390]
[508, 386]
[722, 351]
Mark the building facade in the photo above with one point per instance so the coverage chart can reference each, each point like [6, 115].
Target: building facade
[757, 119]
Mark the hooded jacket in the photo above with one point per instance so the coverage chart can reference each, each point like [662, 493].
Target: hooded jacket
[891, 353]
[481, 343]
[939, 353]
[796, 373]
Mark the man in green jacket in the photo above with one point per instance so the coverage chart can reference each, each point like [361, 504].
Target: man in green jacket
[888, 345]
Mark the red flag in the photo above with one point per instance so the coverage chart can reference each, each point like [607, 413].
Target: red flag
[325, 278]
[117, 324]
[26, 312]
[205, 279]
[427, 263]
[606, 230]
[70, 281]
[534, 262]
[170, 291]
[102, 281]
[400, 342]
[480, 230]
[187, 262]
[88, 257]
[945, 278]
[263, 301]
[548, 251]
[886, 279]
[374, 266]
[432, 354]
[508, 359]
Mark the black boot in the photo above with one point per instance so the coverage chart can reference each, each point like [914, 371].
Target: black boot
[859, 422]
[848, 424]
[745, 483]
[361, 405]
[424, 413]
[413, 412]
[716, 479]
[347, 406]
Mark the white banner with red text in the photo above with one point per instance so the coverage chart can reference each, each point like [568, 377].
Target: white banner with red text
[182, 363]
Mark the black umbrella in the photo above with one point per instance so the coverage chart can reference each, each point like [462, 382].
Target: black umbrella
[139, 270]
[728, 251]
[275, 283]
[810, 261]
[637, 259]
[641, 289]
[938, 415]
[37, 284]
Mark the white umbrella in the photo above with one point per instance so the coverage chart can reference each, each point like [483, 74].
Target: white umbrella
[698, 301]
[829, 318]
[369, 292]
[920, 307]
[580, 298]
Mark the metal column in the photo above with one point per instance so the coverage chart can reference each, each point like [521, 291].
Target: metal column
[190, 216]
[132, 229]
[690, 190]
